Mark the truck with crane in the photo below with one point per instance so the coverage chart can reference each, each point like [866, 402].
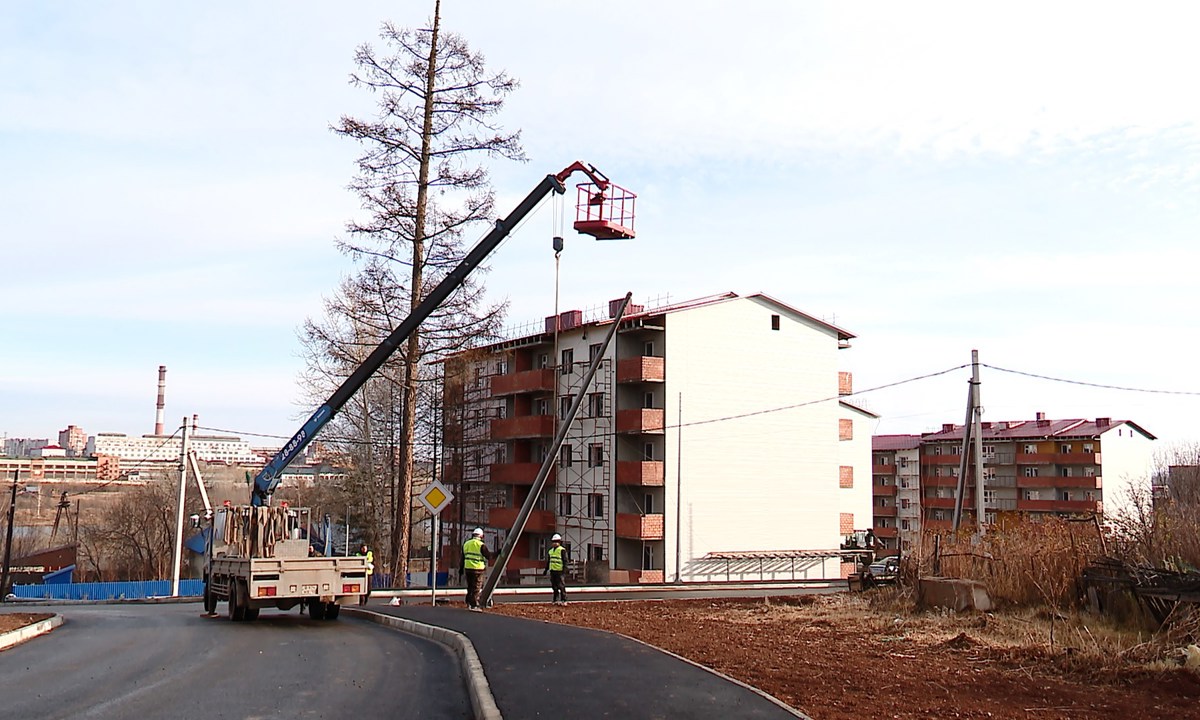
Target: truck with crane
[259, 555]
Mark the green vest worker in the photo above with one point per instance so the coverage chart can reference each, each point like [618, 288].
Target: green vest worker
[475, 555]
[557, 558]
[364, 550]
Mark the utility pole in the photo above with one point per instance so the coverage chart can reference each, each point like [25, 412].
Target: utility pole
[179, 511]
[972, 440]
[977, 431]
[12, 506]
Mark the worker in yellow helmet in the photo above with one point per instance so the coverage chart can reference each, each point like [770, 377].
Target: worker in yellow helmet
[364, 550]
[557, 558]
[475, 556]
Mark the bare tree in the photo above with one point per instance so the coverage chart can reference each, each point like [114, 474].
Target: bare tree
[421, 188]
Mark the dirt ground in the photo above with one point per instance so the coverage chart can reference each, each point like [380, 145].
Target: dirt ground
[835, 657]
[14, 620]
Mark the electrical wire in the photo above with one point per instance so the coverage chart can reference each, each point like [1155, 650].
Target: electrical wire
[1089, 384]
[135, 465]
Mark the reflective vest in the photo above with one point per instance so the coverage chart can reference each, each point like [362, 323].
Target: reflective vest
[556, 558]
[370, 562]
[473, 555]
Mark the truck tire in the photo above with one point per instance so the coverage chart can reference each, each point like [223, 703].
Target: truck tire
[252, 613]
[331, 611]
[210, 600]
[237, 606]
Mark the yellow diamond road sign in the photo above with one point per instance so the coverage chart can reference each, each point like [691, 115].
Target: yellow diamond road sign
[436, 497]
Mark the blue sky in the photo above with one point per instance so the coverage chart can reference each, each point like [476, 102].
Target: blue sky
[934, 177]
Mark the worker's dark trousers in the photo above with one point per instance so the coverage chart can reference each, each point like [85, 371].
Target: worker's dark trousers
[559, 585]
[362, 600]
[474, 582]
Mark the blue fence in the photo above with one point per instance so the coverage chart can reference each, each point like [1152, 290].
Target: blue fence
[107, 590]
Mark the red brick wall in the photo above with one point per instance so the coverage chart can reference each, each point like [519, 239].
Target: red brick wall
[845, 429]
[845, 383]
[846, 523]
[846, 478]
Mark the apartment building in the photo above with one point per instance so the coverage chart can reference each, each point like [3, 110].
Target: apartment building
[74, 439]
[1041, 466]
[718, 425]
[137, 452]
[896, 492]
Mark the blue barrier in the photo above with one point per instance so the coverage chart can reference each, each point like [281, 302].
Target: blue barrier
[108, 590]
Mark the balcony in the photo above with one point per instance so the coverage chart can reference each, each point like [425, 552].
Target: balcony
[883, 490]
[940, 459]
[642, 473]
[640, 527]
[517, 473]
[527, 381]
[884, 532]
[539, 521]
[939, 482]
[1082, 481]
[643, 420]
[943, 503]
[1068, 506]
[1058, 458]
[643, 368]
[522, 426]
[883, 510]
[883, 469]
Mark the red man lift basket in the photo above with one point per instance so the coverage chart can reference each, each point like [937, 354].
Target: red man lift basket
[603, 210]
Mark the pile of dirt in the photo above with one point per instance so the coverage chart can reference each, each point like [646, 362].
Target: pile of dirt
[16, 620]
[835, 657]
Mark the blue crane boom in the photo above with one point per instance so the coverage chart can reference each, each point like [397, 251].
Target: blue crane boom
[268, 478]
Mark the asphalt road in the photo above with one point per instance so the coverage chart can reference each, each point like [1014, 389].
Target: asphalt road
[169, 661]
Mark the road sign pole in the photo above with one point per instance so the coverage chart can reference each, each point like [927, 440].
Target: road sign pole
[433, 553]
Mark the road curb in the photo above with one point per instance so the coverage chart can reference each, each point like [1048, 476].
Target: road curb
[483, 704]
[16, 637]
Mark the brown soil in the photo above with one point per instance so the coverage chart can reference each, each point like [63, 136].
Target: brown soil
[838, 657]
[16, 620]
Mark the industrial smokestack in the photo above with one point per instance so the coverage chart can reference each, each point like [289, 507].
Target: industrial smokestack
[195, 423]
[162, 399]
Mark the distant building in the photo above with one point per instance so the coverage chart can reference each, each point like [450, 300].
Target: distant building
[23, 447]
[74, 439]
[1037, 467]
[134, 452]
[713, 429]
[896, 491]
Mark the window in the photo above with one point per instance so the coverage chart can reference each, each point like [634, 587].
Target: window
[596, 553]
[939, 514]
[648, 451]
[989, 497]
[539, 452]
[564, 406]
[1089, 495]
[595, 505]
[1033, 495]
[648, 348]
[596, 405]
[1087, 447]
[543, 361]
[1066, 495]
[1066, 472]
[1089, 472]
[564, 505]
[565, 456]
[774, 322]
[648, 400]
[1030, 449]
[989, 451]
[1064, 448]
[501, 367]
[937, 449]
[903, 462]
[501, 412]
[937, 471]
[989, 473]
[989, 518]
[953, 472]
[1030, 472]
[595, 455]
[648, 505]
[593, 351]
[904, 524]
[904, 503]
[647, 557]
[541, 406]
[568, 361]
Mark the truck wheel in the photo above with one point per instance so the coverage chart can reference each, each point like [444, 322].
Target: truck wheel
[210, 600]
[237, 606]
[252, 613]
[316, 609]
[331, 611]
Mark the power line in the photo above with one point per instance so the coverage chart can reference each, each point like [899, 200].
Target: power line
[1090, 384]
[135, 465]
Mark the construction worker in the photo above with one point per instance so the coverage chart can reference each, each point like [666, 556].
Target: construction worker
[557, 558]
[364, 550]
[475, 556]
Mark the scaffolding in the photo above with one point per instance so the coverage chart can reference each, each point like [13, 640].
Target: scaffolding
[584, 487]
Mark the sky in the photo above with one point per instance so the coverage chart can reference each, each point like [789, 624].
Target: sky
[1020, 179]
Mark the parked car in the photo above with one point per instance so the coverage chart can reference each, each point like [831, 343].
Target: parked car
[885, 569]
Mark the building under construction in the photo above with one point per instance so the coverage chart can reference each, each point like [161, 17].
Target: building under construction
[713, 426]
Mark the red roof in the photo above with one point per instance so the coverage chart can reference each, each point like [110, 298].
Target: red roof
[1038, 429]
[895, 442]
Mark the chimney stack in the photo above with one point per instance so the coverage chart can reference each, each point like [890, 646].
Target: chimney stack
[162, 399]
[195, 423]
[1041, 416]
